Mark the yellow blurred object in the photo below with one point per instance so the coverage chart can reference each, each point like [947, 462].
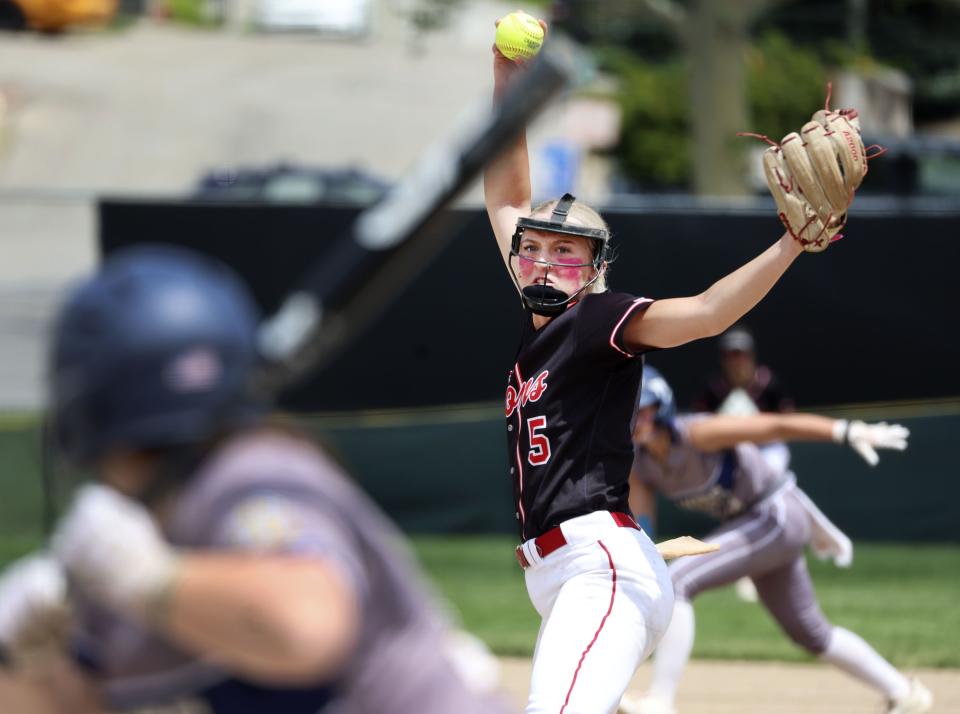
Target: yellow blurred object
[53, 15]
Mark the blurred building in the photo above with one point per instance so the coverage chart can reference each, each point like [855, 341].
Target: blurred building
[290, 183]
[148, 107]
[883, 98]
[363, 86]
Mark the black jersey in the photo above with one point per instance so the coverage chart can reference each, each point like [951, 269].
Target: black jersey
[569, 404]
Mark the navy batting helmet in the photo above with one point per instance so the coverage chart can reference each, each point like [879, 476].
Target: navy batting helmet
[153, 351]
[655, 390]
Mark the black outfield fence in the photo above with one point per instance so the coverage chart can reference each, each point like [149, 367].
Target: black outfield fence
[872, 319]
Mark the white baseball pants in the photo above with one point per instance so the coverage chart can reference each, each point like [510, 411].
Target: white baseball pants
[606, 599]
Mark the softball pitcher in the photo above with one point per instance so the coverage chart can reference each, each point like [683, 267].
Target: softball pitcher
[710, 464]
[601, 588]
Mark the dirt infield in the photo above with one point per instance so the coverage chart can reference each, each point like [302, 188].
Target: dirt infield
[766, 688]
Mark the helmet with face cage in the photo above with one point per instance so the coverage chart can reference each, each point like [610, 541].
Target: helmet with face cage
[544, 299]
[655, 391]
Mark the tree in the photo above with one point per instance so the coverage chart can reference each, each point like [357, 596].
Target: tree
[655, 150]
[715, 36]
[918, 37]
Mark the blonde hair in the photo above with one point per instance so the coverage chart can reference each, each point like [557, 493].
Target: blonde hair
[581, 215]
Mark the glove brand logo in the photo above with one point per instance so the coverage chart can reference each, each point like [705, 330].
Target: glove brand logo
[530, 391]
[852, 145]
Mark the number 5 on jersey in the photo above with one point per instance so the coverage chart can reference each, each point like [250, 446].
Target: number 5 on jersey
[539, 443]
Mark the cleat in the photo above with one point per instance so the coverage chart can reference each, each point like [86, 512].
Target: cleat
[746, 590]
[645, 705]
[917, 701]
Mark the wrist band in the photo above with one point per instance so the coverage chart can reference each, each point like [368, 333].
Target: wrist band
[841, 431]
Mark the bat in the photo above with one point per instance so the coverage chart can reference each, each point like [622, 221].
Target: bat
[685, 545]
[382, 251]
[389, 243]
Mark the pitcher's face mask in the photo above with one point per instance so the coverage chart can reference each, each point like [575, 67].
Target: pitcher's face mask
[541, 298]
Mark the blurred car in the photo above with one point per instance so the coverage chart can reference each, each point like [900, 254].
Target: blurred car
[919, 165]
[337, 17]
[291, 183]
[54, 15]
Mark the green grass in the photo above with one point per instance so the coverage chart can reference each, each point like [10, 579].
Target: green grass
[903, 599]
[20, 487]
[481, 578]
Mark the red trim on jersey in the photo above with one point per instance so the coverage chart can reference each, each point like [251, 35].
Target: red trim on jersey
[613, 594]
[523, 515]
[613, 335]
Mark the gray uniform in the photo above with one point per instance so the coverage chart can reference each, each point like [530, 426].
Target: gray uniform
[764, 529]
[271, 492]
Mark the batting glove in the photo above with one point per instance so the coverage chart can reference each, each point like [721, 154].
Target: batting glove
[865, 438]
[114, 552]
[34, 616]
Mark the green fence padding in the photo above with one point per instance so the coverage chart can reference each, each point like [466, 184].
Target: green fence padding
[445, 471]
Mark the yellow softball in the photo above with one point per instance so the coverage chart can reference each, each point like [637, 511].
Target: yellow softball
[519, 35]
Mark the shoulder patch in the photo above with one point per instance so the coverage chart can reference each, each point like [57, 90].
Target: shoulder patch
[265, 522]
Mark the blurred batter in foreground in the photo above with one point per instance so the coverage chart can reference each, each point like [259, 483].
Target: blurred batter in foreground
[216, 563]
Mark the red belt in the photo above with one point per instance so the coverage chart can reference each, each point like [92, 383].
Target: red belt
[554, 539]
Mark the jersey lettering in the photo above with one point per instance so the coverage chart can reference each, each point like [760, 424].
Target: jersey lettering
[539, 443]
[530, 391]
